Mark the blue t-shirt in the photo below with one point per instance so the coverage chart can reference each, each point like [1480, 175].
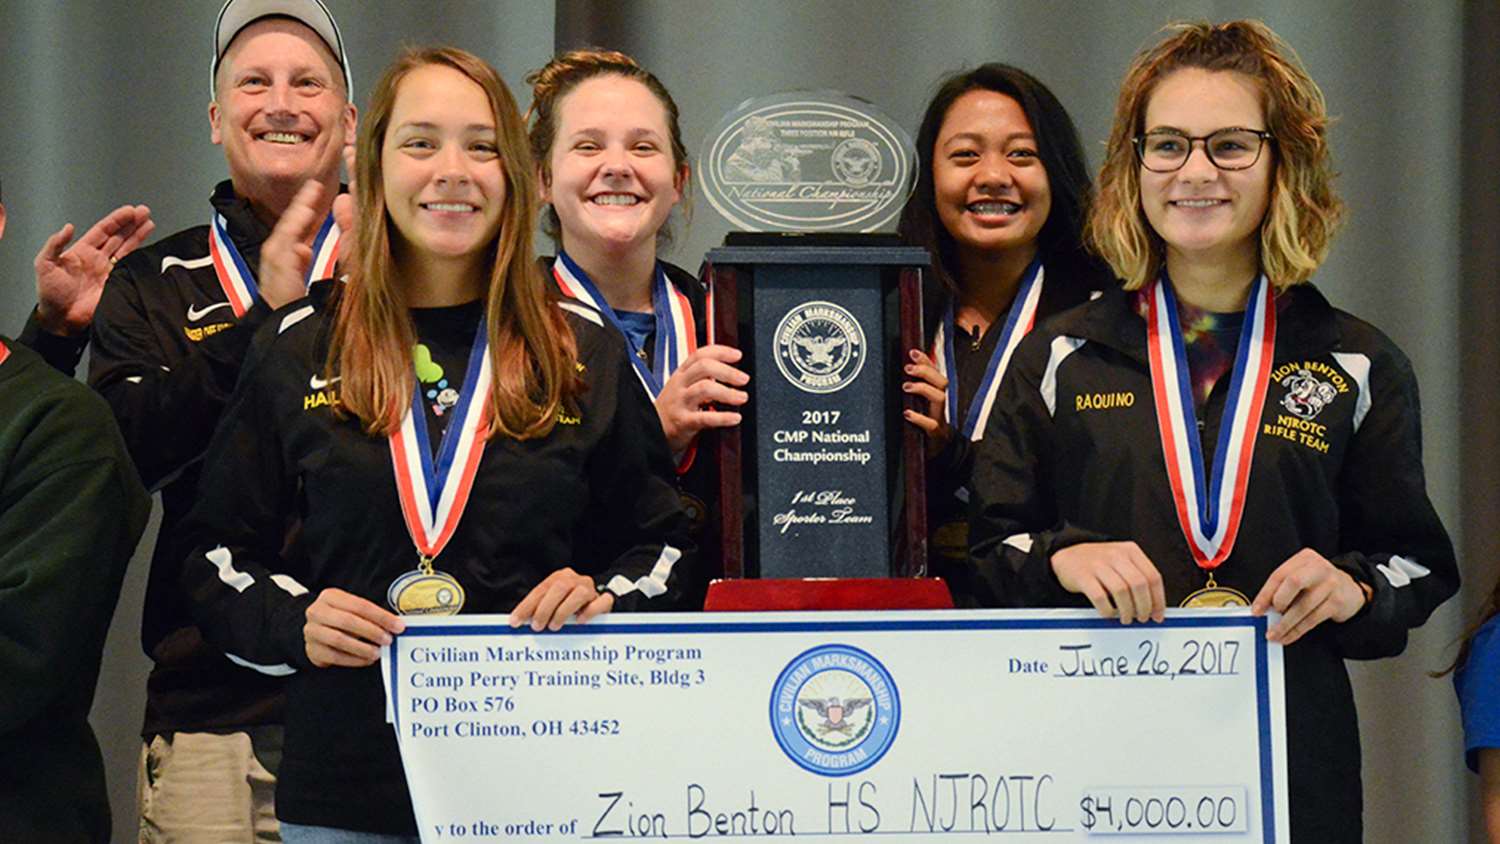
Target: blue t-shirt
[638, 328]
[1478, 685]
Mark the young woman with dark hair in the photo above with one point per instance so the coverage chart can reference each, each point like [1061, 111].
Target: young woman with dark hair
[444, 436]
[1001, 196]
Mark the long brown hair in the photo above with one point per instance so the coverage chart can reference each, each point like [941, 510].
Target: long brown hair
[1304, 211]
[557, 78]
[532, 350]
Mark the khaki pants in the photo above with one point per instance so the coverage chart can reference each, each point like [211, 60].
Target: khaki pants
[209, 788]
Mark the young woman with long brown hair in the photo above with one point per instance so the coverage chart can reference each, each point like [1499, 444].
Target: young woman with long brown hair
[1215, 207]
[445, 438]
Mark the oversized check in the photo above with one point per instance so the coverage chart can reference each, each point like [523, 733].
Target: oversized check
[1044, 725]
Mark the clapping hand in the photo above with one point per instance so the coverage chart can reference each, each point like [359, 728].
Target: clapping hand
[70, 279]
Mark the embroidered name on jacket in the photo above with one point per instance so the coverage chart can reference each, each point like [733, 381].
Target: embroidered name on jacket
[1103, 401]
[1293, 429]
[325, 393]
[197, 334]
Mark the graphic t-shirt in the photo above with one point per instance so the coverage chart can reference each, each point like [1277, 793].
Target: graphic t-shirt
[445, 337]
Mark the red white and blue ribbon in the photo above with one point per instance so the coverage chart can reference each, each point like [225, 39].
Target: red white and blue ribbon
[235, 276]
[1209, 508]
[4, 352]
[1018, 323]
[435, 491]
[676, 332]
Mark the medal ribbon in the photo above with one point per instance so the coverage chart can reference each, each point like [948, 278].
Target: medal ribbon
[4, 352]
[1209, 508]
[235, 276]
[434, 493]
[708, 310]
[676, 333]
[1018, 323]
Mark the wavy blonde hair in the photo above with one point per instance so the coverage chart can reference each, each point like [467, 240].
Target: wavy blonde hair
[1304, 211]
[532, 349]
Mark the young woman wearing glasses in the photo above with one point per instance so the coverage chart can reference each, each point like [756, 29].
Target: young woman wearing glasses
[1219, 369]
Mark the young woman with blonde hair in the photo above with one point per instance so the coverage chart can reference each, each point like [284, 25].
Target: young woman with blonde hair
[445, 438]
[1216, 433]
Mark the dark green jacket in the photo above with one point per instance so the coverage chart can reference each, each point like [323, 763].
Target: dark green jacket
[71, 511]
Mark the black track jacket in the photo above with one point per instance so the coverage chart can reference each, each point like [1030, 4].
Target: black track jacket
[595, 494]
[167, 350]
[1073, 455]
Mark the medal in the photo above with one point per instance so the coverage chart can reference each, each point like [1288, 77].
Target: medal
[425, 591]
[434, 493]
[1018, 323]
[1209, 508]
[234, 274]
[1214, 596]
[676, 334]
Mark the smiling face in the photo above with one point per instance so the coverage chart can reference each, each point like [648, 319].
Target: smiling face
[1200, 211]
[281, 113]
[613, 179]
[441, 171]
[989, 185]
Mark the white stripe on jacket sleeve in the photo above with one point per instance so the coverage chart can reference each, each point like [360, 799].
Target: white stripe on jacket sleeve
[1401, 571]
[653, 583]
[1358, 367]
[239, 581]
[1061, 348]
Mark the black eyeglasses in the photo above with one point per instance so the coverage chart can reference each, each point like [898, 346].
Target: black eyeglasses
[1234, 148]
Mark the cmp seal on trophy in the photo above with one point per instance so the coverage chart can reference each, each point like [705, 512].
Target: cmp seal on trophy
[819, 347]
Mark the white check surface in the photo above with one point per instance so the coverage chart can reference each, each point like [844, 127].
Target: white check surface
[1038, 725]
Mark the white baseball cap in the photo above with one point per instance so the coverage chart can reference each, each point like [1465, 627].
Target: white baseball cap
[238, 14]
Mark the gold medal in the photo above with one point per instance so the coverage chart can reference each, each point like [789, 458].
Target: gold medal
[1214, 596]
[425, 591]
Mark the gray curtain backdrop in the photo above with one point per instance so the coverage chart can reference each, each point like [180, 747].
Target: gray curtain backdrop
[103, 103]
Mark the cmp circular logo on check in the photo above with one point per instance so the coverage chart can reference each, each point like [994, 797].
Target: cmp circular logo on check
[835, 710]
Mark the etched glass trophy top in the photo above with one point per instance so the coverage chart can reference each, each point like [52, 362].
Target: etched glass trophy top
[807, 161]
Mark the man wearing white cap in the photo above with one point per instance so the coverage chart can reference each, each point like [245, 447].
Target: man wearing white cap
[170, 331]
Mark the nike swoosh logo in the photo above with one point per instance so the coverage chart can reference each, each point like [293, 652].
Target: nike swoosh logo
[318, 383]
[194, 314]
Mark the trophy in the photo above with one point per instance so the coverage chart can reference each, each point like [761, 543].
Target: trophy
[823, 478]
